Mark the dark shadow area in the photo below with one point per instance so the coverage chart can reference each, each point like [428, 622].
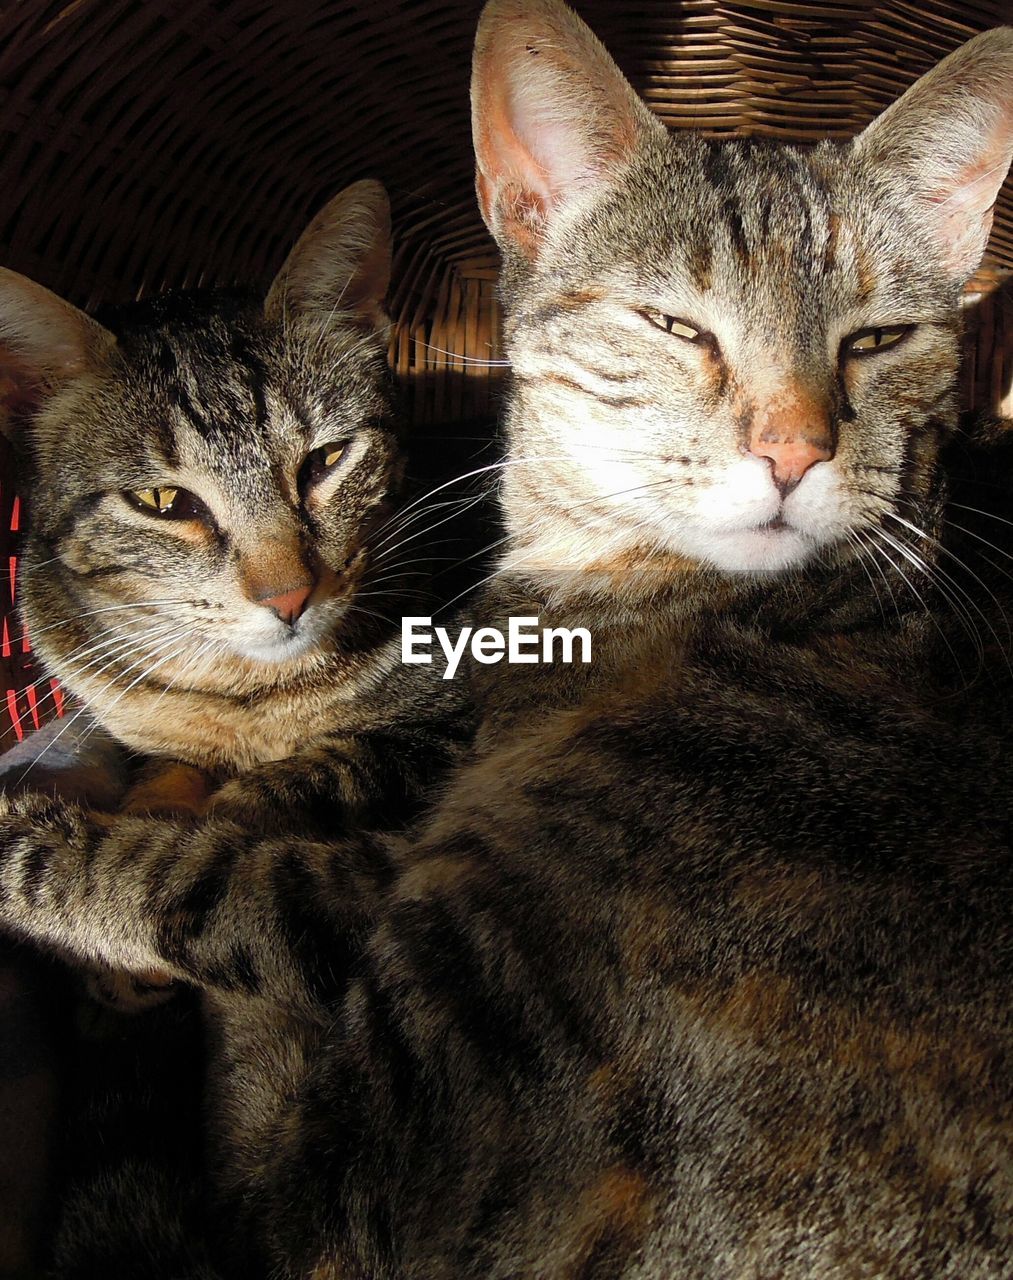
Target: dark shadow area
[987, 376]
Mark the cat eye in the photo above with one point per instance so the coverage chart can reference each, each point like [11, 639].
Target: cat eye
[168, 502]
[321, 461]
[868, 341]
[673, 325]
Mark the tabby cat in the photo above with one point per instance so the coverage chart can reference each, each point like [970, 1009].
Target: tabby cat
[205, 474]
[221, 548]
[214, 562]
[701, 966]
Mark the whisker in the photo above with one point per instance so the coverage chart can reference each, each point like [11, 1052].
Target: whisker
[474, 555]
[511, 564]
[401, 565]
[957, 608]
[393, 594]
[953, 582]
[970, 533]
[107, 652]
[477, 471]
[148, 670]
[409, 515]
[90, 613]
[470, 360]
[873, 550]
[73, 719]
[211, 649]
[460, 505]
[989, 515]
[369, 613]
[427, 529]
[862, 553]
[6, 573]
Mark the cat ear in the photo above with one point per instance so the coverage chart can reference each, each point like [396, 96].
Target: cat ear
[43, 341]
[554, 120]
[949, 140]
[340, 266]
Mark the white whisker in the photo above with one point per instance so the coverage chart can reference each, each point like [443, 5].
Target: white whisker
[107, 652]
[469, 360]
[919, 564]
[90, 613]
[73, 719]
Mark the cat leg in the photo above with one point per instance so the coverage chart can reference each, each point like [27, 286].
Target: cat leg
[79, 761]
[127, 993]
[164, 786]
[206, 902]
[367, 778]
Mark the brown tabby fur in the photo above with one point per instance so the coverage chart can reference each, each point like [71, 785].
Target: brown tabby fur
[165, 628]
[160, 627]
[701, 966]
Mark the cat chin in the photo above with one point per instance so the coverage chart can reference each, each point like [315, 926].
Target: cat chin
[278, 651]
[758, 550]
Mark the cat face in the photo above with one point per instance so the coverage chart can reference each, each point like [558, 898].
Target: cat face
[205, 473]
[742, 356]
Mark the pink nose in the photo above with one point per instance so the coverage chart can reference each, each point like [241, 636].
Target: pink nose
[792, 428]
[288, 605]
[791, 458]
[791, 450]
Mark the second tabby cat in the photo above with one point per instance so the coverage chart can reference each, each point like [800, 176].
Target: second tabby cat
[214, 567]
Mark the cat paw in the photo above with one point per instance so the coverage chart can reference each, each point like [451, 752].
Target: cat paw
[34, 829]
[28, 810]
[127, 993]
[270, 800]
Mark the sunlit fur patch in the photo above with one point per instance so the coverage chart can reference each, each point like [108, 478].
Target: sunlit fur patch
[625, 439]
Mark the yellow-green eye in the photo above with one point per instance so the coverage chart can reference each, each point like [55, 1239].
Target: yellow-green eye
[167, 501]
[868, 341]
[159, 500]
[673, 325]
[320, 462]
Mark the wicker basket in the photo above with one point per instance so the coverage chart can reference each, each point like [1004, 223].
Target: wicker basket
[151, 144]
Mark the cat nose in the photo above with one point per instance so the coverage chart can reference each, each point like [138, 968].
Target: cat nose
[288, 605]
[793, 438]
[791, 459]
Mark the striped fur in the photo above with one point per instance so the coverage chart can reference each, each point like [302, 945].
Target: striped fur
[161, 629]
[700, 966]
[166, 629]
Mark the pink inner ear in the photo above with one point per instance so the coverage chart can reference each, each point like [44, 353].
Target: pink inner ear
[557, 147]
[965, 205]
[503, 156]
[975, 188]
[552, 114]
